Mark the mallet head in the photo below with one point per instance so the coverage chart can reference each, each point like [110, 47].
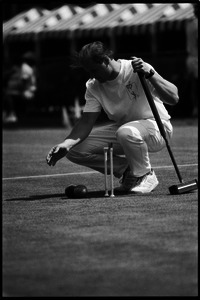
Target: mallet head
[183, 187]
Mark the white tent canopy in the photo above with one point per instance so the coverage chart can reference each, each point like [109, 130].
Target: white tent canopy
[74, 21]
[23, 19]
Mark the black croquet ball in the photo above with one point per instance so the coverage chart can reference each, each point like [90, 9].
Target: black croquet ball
[80, 191]
[69, 191]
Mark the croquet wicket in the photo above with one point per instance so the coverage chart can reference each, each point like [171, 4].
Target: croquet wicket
[110, 150]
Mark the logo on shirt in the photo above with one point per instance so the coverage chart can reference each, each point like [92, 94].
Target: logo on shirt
[132, 90]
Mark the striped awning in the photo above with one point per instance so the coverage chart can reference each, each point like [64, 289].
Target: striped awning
[138, 18]
[23, 19]
[163, 16]
[90, 15]
[45, 22]
[174, 19]
[57, 24]
[104, 18]
[126, 12]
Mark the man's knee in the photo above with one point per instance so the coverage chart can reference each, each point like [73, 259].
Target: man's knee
[76, 157]
[125, 133]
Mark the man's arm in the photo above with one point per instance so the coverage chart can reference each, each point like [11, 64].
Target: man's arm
[80, 132]
[166, 90]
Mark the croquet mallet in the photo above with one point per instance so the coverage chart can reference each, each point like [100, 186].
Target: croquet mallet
[183, 187]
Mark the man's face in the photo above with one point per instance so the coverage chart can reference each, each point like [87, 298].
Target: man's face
[100, 72]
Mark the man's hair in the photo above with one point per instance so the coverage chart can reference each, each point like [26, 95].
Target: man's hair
[95, 51]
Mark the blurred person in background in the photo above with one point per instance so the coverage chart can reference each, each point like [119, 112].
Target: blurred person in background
[114, 86]
[19, 86]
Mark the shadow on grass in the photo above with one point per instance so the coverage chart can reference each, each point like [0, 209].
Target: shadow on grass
[36, 197]
[89, 195]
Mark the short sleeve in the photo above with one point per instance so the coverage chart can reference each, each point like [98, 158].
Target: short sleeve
[92, 104]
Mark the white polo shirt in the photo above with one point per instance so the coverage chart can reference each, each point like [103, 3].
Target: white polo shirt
[123, 99]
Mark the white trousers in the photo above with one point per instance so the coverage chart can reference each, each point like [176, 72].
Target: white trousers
[132, 143]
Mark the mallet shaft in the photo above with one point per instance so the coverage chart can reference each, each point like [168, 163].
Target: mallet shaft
[159, 122]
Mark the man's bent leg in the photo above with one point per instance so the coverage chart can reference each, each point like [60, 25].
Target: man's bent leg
[90, 152]
[138, 138]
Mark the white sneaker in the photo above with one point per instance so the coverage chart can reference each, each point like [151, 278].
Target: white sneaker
[138, 185]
